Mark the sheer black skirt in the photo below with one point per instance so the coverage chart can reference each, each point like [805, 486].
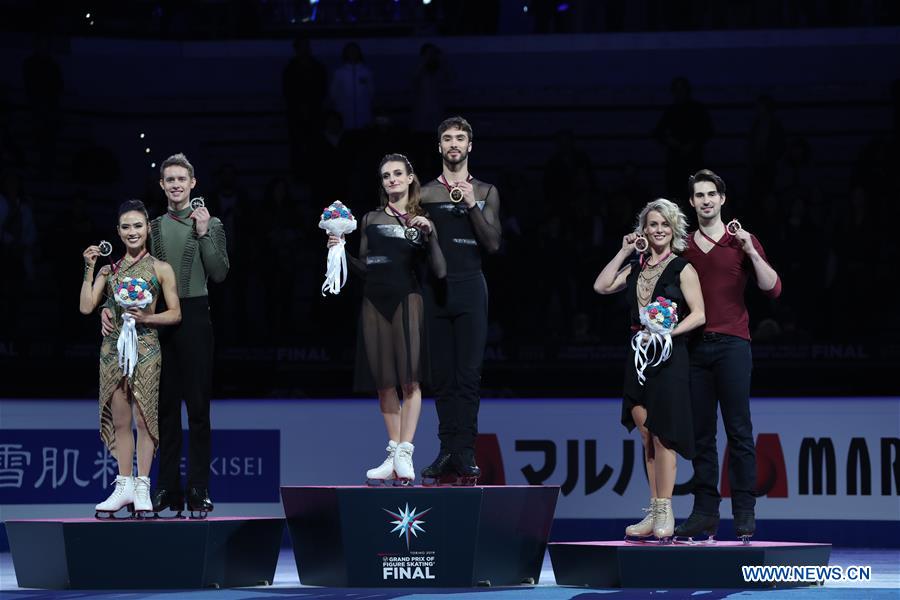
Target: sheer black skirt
[392, 349]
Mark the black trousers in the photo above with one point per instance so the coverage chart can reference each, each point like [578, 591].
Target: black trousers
[457, 313]
[720, 376]
[187, 358]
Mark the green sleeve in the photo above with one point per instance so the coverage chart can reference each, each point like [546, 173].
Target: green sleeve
[213, 251]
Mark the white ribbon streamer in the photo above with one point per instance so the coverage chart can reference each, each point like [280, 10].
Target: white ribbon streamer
[127, 345]
[650, 350]
[336, 263]
[335, 269]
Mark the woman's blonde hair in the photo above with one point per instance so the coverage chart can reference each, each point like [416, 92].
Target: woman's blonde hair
[671, 213]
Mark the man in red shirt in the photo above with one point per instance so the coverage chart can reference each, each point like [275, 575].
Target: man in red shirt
[720, 359]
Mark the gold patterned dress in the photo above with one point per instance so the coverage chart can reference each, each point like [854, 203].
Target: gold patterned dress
[143, 387]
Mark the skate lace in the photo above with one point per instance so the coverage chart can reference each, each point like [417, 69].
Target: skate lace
[119, 488]
[649, 512]
[141, 487]
[659, 510]
[404, 452]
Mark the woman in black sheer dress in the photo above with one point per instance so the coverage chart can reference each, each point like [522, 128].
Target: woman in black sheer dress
[397, 242]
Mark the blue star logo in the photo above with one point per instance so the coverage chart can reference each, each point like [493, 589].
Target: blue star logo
[407, 521]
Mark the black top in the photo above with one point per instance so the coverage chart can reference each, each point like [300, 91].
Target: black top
[666, 393]
[458, 238]
[668, 286]
[392, 265]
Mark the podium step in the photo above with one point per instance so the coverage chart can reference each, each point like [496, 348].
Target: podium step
[614, 564]
[145, 554]
[419, 536]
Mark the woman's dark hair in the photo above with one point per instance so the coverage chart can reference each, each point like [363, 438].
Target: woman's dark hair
[133, 205]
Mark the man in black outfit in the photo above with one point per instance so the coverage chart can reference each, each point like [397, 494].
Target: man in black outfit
[466, 213]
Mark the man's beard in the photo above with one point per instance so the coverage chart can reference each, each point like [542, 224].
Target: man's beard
[463, 155]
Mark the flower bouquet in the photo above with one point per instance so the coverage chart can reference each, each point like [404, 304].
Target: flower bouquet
[132, 292]
[653, 345]
[336, 220]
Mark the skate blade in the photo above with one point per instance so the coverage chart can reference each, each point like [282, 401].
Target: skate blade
[144, 515]
[178, 510]
[466, 482]
[691, 541]
[403, 482]
[664, 541]
[634, 539]
[198, 515]
[745, 539]
[176, 516]
[105, 515]
[379, 482]
[112, 515]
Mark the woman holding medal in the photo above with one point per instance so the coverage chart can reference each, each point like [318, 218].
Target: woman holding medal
[124, 397]
[396, 240]
[660, 405]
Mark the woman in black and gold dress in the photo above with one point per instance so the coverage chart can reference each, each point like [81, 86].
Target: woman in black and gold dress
[396, 243]
[659, 407]
[123, 398]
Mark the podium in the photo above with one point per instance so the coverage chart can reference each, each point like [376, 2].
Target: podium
[145, 554]
[650, 565]
[419, 536]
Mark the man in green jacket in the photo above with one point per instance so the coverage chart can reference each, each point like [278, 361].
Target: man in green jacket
[193, 242]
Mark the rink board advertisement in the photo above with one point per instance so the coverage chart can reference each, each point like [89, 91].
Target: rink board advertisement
[60, 466]
[819, 458]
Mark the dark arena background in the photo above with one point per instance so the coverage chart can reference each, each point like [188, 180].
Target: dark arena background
[796, 104]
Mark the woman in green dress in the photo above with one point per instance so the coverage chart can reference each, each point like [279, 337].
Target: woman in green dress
[124, 397]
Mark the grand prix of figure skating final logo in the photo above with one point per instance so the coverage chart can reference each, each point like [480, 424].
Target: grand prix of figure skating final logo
[413, 564]
[407, 522]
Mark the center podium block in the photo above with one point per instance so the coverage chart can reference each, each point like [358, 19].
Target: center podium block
[419, 536]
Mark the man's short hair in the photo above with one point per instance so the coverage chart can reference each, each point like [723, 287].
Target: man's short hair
[177, 160]
[455, 123]
[706, 175]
